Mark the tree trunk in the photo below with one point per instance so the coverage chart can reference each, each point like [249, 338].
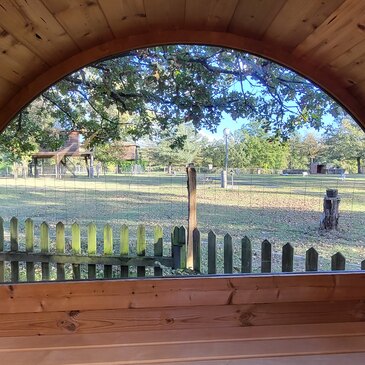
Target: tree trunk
[358, 160]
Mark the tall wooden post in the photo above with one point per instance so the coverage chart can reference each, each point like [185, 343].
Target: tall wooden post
[192, 222]
[330, 215]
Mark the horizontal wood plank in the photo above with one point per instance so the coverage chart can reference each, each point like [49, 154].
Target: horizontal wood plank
[169, 292]
[179, 318]
[145, 353]
[80, 259]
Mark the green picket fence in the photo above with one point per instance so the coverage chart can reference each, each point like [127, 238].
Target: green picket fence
[106, 259]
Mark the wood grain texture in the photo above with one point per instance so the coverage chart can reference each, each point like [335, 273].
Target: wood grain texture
[179, 318]
[182, 292]
[210, 15]
[147, 352]
[31, 24]
[125, 16]
[83, 21]
[295, 22]
[187, 320]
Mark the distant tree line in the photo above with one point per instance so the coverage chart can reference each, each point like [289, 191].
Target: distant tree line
[341, 145]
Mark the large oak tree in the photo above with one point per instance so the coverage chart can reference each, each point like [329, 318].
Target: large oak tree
[152, 91]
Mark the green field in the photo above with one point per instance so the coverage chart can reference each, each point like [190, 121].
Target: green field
[278, 208]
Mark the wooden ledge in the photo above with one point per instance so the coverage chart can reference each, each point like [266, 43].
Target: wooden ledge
[180, 292]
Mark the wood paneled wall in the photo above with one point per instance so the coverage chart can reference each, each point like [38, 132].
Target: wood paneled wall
[289, 319]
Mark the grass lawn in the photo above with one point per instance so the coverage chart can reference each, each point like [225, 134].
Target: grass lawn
[278, 208]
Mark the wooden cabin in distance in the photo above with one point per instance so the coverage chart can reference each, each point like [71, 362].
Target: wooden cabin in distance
[71, 148]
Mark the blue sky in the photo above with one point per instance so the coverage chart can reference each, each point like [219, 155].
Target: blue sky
[227, 122]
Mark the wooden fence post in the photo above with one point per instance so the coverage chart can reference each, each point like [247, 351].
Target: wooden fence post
[192, 220]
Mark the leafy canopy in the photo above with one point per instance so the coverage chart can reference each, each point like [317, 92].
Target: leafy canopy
[152, 91]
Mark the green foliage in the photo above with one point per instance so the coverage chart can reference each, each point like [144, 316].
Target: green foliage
[149, 92]
[345, 143]
[184, 147]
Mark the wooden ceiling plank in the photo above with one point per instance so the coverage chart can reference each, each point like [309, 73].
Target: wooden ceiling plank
[32, 26]
[350, 56]
[340, 32]
[212, 15]
[125, 16]
[7, 88]
[18, 64]
[252, 18]
[295, 22]
[162, 14]
[84, 21]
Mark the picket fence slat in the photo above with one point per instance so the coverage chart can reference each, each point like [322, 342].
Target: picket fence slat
[44, 249]
[311, 260]
[14, 247]
[76, 249]
[228, 254]
[91, 249]
[124, 249]
[110, 259]
[182, 243]
[29, 247]
[141, 248]
[265, 256]
[287, 258]
[108, 250]
[158, 247]
[338, 262]
[246, 255]
[60, 249]
[85, 260]
[212, 249]
[196, 250]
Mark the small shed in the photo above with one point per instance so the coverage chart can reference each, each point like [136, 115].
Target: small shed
[318, 168]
